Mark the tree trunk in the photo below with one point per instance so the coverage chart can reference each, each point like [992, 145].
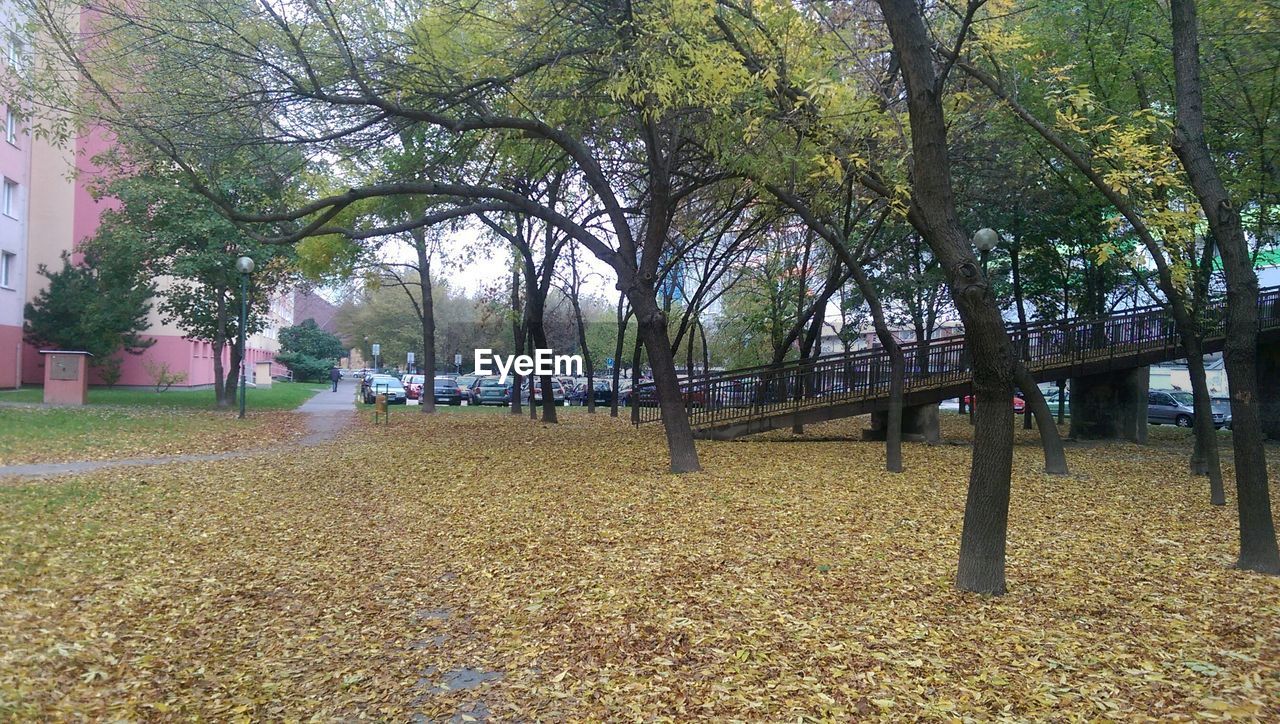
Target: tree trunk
[232, 395]
[1258, 550]
[933, 214]
[635, 375]
[688, 355]
[893, 434]
[427, 400]
[219, 381]
[1204, 455]
[220, 344]
[706, 354]
[538, 340]
[1025, 355]
[1055, 457]
[533, 402]
[586, 352]
[675, 419]
[617, 356]
[517, 336]
[897, 371]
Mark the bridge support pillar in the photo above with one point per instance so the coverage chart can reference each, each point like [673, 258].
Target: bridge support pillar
[1268, 391]
[919, 424]
[1110, 406]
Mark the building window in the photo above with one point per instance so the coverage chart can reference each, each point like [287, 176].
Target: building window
[14, 50]
[10, 201]
[7, 263]
[10, 126]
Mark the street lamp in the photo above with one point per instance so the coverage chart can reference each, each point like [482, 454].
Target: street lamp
[244, 265]
[984, 240]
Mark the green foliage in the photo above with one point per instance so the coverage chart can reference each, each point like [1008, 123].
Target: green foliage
[99, 306]
[307, 338]
[171, 231]
[307, 350]
[305, 368]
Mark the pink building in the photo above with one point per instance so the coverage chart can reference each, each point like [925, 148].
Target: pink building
[47, 209]
[15, 168]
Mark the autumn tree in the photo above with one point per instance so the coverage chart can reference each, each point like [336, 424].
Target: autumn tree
[169, 232]
[1258, 551]
[618, 90]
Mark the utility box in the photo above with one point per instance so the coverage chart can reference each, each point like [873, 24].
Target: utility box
[262, 374]
[66, 377]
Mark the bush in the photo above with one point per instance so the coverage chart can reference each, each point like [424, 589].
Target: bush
[161, 377]
[305, 368]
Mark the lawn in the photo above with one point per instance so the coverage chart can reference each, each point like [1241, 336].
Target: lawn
[279, 396]
[129, 423]
[102, 432]
[483, 564]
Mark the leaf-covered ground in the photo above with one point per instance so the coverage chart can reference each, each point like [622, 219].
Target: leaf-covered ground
[478, 565]
[60, 434]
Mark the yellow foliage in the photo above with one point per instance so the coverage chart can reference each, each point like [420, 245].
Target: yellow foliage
[559, 573]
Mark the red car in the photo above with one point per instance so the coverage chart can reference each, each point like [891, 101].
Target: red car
[413, 386]
[1019, 404]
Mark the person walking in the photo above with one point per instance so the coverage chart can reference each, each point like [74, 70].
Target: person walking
[334, 375]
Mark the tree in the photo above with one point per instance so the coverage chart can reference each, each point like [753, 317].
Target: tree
[309, 351]
[170, 232]
[933, 213]
[99, 306]
[618, 91]
[1258, 551]
[1124, 158]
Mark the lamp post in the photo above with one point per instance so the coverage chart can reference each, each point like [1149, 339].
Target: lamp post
[984, 240]
[244, 265]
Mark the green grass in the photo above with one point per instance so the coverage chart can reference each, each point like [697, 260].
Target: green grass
[280, 396]
[100, 432]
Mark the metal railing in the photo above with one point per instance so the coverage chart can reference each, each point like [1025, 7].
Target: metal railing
[750, 393]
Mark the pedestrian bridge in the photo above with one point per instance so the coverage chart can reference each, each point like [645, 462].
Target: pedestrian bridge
[730, 404]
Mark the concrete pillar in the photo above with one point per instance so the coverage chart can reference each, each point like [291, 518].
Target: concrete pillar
[1268, 390]
[1110, 406]
[919, 424]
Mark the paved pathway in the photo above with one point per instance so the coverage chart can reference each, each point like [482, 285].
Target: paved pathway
[327, 413]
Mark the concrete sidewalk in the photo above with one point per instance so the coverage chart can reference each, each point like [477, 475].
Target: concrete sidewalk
[327, 402]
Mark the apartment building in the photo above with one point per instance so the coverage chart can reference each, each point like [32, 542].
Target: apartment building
[45, 209]
[15, 175]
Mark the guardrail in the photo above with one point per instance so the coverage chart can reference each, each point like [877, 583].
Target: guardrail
[739, 395]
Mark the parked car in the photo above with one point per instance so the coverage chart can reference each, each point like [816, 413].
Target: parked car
[557, 391]
[413, 385]
[602, 393]
[446, 391]
[1019, 404]
[467, 387]
[1222, 405]
[489, 391]
[1051, 396]
[647, 396]
[374, 385]
[1178, 408]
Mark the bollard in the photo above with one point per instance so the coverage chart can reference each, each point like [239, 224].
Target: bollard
[380, 408]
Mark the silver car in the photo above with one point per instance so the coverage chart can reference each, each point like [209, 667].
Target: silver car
[392, 387]
[1178, 408]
